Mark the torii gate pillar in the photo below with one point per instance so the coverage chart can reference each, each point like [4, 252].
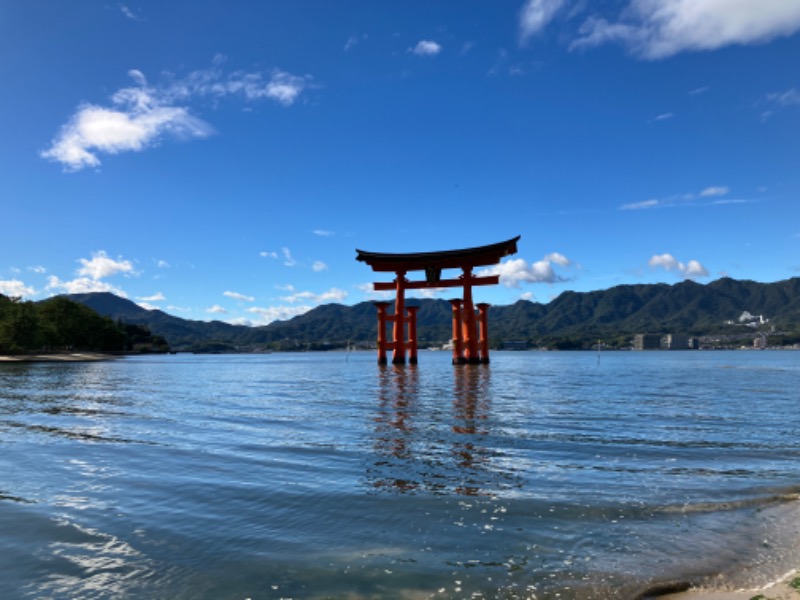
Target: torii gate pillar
[470, 331]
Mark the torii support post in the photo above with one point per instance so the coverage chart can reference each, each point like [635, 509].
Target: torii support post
[382, 346]
[458, 354]
[483, 323]
[412, 334]
[399, 317]
[470, 345]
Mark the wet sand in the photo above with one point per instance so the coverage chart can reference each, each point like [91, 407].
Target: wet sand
[58, 357]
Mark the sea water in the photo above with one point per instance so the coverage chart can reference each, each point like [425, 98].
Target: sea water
[542, 475]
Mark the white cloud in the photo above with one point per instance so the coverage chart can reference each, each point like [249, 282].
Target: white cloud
[514, 272]
[157, 297]
[283, 87]
[426, 48]
[14, 288]
[323, 232]
[691, 270]
[665, 116]
[558, 258]
[700, 90]
[37, 269]
[654, 29]
[319, 266]
[332, 295]
[148, 306]
[237, 296]
[719, 190]
[268, 254]
[82, 285]
[216, 309]
[138, 120]
[162, 264]
[101, 266]
[536, 15]
[527, 296]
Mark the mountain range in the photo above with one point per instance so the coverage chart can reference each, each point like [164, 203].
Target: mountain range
[573, 319]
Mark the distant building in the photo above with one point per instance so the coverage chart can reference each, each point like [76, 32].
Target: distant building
[647, 341]
[677, 341]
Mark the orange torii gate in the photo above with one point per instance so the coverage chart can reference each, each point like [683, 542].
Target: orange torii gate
[470, 342]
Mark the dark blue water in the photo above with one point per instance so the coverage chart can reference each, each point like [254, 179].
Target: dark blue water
[542, 475]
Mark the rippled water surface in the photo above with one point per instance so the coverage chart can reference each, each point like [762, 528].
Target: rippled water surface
[542, 475]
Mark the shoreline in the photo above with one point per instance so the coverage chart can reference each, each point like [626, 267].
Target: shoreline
[780, 590]
[57, 357]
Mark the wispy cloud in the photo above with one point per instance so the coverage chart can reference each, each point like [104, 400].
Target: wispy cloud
[719, 190]
[353, 41]
[268, 254]
[237, 296]
[142, 116]
[656, 29]
[781, 100]
[129, 14]
[323, 232]
[288, 260]
[652, 203]
[157, 297]
[690, 270]
[319, 266]
[332, 295]
[216, 310]
[536, 15]
[698, 91]
[278, 313]
[689, 199]
[788, 98]
[664, 116]
[426, 48]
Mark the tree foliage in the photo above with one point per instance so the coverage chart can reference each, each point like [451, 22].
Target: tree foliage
[59, 324]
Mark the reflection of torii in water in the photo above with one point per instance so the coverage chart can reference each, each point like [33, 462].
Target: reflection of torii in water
[467, 346]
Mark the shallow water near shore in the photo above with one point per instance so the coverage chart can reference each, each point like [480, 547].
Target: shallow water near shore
[542, 475]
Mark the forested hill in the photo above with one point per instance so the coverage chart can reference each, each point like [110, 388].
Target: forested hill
[577, 318]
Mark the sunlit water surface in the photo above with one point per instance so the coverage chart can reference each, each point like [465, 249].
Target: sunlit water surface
[542, 475]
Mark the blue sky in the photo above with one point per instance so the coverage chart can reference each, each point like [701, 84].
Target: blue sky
[224, 160]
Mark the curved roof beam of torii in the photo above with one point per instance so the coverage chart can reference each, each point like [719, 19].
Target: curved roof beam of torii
[480, 256]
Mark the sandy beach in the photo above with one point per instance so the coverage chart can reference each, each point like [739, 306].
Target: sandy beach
[58, 357]
[786, 589]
